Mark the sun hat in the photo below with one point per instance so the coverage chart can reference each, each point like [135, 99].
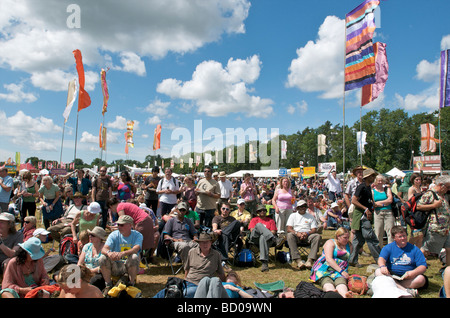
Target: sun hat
[6, 216]
[260, 207]
[240, 201]
[301, 203]
[385, 287]
[79, 195]
[34, 247]
[98, 232]
[368, 172]
[358, 168]
[40, 231]
[183, 205]
[94, 208]
[204, 237]
[125, 219]
[334, 204]
[222, 174]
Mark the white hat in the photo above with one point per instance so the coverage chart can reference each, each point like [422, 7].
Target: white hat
[6, 216]
[40, 232]
[240, 201]
[385, 287]
[300, 203]
[94, 208]
[334, 204]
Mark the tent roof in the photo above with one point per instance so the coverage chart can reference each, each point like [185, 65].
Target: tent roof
[394, 172]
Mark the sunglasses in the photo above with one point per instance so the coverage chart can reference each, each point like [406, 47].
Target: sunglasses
[225, 209]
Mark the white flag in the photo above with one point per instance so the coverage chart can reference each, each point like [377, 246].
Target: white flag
[208, 158]
[361, 141]
[283, 149]
[321, 145]
[191, 162]
[252, 153]
[71, 96]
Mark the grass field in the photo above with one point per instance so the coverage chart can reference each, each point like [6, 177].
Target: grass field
[155, 276]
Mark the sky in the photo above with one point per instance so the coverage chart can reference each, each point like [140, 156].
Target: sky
[203, 70]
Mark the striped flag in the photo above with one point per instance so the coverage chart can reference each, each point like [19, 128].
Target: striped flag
[372, 91]
[444, 96]
[83, 97]
[104, 90]
[157, 138]
[359, 55]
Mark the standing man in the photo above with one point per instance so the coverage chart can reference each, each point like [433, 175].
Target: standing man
[334, 185]
[362, 219]
[208, 192]
[168, 187]
[102, 192]
[351, 188]
[226, 187]
[150, 185]
[6, 186]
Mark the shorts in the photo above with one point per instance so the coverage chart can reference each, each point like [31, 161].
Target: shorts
[11, 291]
[329, 280]
[433, 242]
[119, 268]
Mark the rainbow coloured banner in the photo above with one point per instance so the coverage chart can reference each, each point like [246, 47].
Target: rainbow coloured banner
[359, 55]
[444, 96]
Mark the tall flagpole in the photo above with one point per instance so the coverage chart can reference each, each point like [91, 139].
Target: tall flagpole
[62, 142]
[360, 131]
[343, 128]
[76, 134]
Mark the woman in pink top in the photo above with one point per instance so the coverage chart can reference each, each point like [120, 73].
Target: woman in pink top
[143, 223]
[282, 202]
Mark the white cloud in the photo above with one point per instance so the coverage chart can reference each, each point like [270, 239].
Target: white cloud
[218, 90]
[16, 94]
[153, 120]
[37, 134]
[111, 138]
[301, 107]
[121, 123]
[58, 80]
[35, 37]
[319, 65]
[428, 71]
[428, 98]
[158, 108]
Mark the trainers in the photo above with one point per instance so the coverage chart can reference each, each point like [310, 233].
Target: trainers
[265, 266]
[413, 292]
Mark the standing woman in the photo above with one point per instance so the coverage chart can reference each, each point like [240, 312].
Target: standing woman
[282, 202]
[29, 192]
[189, 192]
[384, 219]
[126, 188]
[50, 197]
[416, 236]
[143, 223]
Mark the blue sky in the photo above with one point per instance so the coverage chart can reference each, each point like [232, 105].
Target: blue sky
[227, 63]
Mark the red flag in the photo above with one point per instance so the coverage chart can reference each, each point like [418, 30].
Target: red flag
[84, 100]
[427, 140]
[372, 91]
[157, 138]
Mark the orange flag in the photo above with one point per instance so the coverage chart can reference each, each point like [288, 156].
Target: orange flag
[157, 138]
[84, 99]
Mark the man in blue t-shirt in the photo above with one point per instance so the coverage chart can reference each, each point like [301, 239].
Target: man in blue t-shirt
[403, 261]
[6, 186]
[120, 254]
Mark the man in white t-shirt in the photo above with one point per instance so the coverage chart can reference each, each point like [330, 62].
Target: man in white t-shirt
[168, 188]
[301, 227]
[226, 187]
[334, 185]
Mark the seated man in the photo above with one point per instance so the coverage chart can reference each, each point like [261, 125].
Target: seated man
[317, 213]
[242, 215]
[62, 226]
[403, 261]
[120, 254]
[227, 228]
[263, 233]
[180, 233]
[302, 228]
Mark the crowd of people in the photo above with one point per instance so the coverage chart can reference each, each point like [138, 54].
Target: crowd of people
[116, 222]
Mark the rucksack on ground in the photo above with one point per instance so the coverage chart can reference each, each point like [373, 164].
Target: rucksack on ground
[68, 249]
[245, 258]
[413, 217]
[175, 288]
[358, 284]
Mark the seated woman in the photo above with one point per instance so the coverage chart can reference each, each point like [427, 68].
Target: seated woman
[215, 288]
[29, 226]
[86, 219]
[91, 253]
[331, 269]
[80, 289]
[25, 271]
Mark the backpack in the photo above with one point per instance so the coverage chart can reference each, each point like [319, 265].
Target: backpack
[413, 217]
[308, 290]
[245, 258]
[174, 288]
[283, 257]
[357, 284]
[68, 249]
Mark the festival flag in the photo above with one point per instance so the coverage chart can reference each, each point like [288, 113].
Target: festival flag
[427, 140]
[126, 142]
[191, 162]
[283, 149]
[208, 158]
[229, 155]
[100, 141]
[157, 138]
[129, 133]
[321, 145]
[104, 90]
[71, 96]
[197, 160]
[40, 165]
[361, 141]
[181, 163]
[372, 91]
[252, 153]
[172, 164]
[84, 100]
[444, 96]
[359, 55]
